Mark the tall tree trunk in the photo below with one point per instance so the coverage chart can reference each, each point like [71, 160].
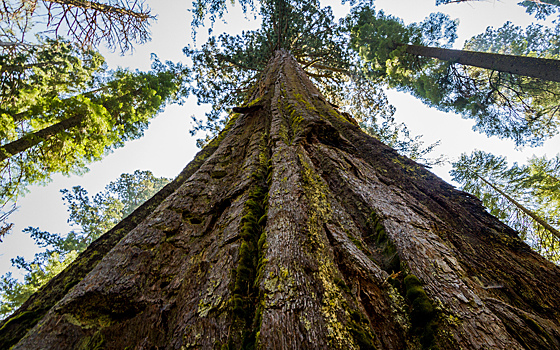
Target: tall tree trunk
[27, 141]
[296, 230]
[542, 68]
[518, 205]
[103, 8]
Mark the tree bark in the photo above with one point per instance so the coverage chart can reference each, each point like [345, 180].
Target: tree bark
[296, 230]
[541, 68]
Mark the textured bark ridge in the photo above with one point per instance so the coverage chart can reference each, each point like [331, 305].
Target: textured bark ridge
[298, 231]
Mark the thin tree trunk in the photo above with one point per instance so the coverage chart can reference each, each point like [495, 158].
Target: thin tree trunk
[530, 213]
[298, 231]
[29, 140]
[23, 67]
[542, 68]
[540, 2]
[33, 139]
[104, 8]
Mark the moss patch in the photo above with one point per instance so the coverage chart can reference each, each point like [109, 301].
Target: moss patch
[422, 313]
[346, 326]
[10, 328]
[246, 301]
[390, 260]
[361, 331]
[95, 342]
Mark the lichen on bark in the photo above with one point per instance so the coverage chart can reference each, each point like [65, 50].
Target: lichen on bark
[295, 230]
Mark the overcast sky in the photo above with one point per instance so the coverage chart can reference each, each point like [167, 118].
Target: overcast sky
[167, 145]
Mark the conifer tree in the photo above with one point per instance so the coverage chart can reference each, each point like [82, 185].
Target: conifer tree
[295, 229]
[525, 197]
[61, 117]
[501, 99]
[60, 109]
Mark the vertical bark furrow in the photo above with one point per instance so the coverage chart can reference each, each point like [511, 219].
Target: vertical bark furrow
[26, 317]
[427, 257]
[246, 299]
[170, 277]
[298, 231]
[301, 260]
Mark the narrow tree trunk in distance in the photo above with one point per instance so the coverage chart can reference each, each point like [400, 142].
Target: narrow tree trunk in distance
[528, 212]
[33, 139]
[299, 231]
[542, 68]
[103, 8]
[29, 140]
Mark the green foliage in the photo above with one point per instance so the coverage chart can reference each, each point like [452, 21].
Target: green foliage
[49, 69]
[535, 41]
[540, 8]
[225, 69]
[94, 216]
[214, 9]
[380, 40]
[109, 108]
[535, 186]
[522, 108]
[398, 137]
[506, 105]
[15, 293]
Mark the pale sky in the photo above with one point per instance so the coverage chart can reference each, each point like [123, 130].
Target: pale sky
[167, 145]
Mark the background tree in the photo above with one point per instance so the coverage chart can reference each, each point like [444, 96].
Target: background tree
[94, 216]
[64, 110]
[540, 8]
[506, 105]
[51, 129]
[118, 23]
[524, 197]
[52, 86]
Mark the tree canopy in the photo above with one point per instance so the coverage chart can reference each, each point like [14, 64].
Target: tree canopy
[225, 67]
[61, 117]
[117, 23]
[502, 104]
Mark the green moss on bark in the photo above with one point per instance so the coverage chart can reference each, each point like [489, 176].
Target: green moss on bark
[95, 342]
[422, 312]
[361, 331]
[26, 319]
[246, 301]
[391, 261]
